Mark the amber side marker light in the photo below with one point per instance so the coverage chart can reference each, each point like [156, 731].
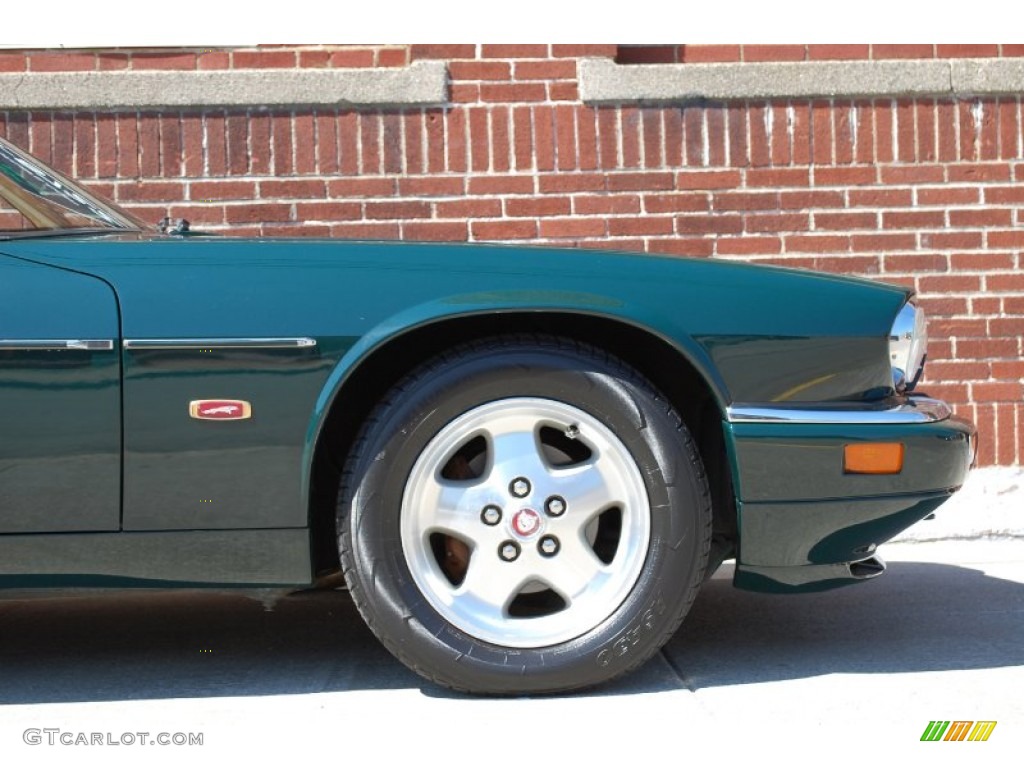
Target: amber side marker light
[873, 458]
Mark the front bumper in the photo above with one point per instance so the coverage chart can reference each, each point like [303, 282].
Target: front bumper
[804, 523]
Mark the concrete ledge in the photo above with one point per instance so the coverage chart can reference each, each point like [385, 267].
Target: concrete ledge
[603, 81]
[424, 83]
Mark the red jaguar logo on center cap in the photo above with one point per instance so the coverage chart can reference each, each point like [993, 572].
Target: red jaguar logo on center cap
[220, 410]
[526, 522]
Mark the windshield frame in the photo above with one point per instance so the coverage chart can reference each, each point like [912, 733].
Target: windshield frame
[63, 198]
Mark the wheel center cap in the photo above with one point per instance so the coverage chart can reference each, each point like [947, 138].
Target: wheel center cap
[526, 522]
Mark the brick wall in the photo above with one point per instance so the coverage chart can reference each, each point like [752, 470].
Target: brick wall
[925, 192]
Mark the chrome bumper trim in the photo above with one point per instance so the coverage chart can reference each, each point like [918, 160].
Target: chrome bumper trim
[199, 344]
[43, 345]
[913, 410]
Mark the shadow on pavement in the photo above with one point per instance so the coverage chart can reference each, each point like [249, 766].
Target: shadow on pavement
[919, 617]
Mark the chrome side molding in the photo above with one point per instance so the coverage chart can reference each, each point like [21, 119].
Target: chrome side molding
[43, 345]
[913, 410]
[241, 343]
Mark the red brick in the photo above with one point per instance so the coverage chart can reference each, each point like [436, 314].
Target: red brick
[915, 262]
[860, 265]
[545, 70]
[846, 220]
[565, 137]
[590, 204]
[843, 134]
[951, 240]
[468, 208]
[263, 59]
[716, 224]
[701, 247]
[997, 392]
[745, 201]
[85, 146]
[1014, 194]
[13, 62]
[586, 125]
[902, 51]
[519, 229]
[436, 231]
[260, 143]
[313, 59]
[981, 261]
[987, 348]
[163, 61]
[537, 206]
[392, 57]
[1009, 128]
[913, 219]
[127, 146]
[362, 57]
[456, 144]
[821, 133]
[953, 196]
[197, 215]
[361, 187]
[844, 176]
[207, 191]
[824, 52]
[61, 62]
[913, 174]
[398, 209]
[707, 179]
[702, 54]
[981, 217]
[747, 246]
[716, 137]
[439, 51]
[328, 211]
[1010, 239]
[1013, 305]
[946, 116]
[886, 241]
[949, 283]
[358, 230]
[257, 212]
[961, 51]
[676, 201]
[736, 118]
[816, 243]
[927, 151]
[777, 222]
[629, 182]
[640, 225]
[693, 135]
[583, 50]
[778, 177]
[811, 198]
[957, 371]
[479, 135]
[151, 191]
[296, 230]
[774, 53]
[505, 51]
[500, 139]
[760, 146]
[206, 60]
[544, 138]
[782, 151]
[1008, 370]
[629, 128]
[501, 185]
[435, 128]
[653, 141]
[480, 70]
[293, 188]
[572, 227]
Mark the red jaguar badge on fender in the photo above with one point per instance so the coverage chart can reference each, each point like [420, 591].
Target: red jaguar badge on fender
[220, 410]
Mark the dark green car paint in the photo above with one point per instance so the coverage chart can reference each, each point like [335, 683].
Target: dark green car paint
[756, 335]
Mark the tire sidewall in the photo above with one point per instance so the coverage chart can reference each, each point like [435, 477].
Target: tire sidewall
[652, 434]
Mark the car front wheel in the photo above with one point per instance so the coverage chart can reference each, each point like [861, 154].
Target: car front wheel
[524, 516]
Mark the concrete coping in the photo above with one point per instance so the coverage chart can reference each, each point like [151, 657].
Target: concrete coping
[604, 81]
[423, 83]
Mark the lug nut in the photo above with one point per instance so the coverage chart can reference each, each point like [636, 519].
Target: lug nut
[555, 506]
[491, 515]
[520, 487]
[549, 546]
[508, 551]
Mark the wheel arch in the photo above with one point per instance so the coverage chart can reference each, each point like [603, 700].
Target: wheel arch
[371, 369]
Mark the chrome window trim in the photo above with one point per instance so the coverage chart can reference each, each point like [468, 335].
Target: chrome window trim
[914, 410]
[241, 343]
[44, 345]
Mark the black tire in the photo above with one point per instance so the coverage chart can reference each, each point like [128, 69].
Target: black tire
[619, 615]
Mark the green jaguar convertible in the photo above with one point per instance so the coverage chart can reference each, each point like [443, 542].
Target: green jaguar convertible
[524, 463]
